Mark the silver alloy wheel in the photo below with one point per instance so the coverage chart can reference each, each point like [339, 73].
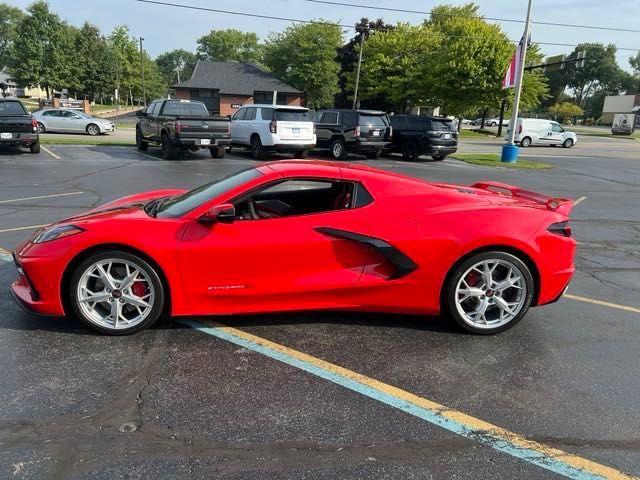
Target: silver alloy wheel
[491, 293]
[114, 293]
[93, 129]
[337, 150]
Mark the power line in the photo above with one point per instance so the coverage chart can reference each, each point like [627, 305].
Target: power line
[297, 20]
[493, 19]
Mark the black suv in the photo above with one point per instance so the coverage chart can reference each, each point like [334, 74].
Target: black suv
[415, 135]
[344, 131]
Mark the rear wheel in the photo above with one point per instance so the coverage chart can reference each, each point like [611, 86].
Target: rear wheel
[169, 151]
[257, 151]
[373, 155]
[410, 151]
[568, 143]
[35, 147]
[41, 128]
[301, 154]
[439, 156]
[140, 143]
[525, 142]
[93, 129]
[217, 152]
[338, 150]
[489, 292]
[116, 293]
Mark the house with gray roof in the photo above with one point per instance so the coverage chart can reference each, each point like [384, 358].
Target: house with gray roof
[226, 86]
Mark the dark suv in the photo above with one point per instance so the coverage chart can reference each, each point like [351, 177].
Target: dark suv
[353, 131]
[415, 135]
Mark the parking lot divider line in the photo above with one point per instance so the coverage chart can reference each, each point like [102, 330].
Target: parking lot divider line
[5, 255]
[16, 229]
[49, 152]
[40, 196]
[579, 201]
[511, 443]
[601, 303]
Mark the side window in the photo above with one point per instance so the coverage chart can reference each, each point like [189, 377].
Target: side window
[329, 117]
[296, 197]
[239, 115]
[68, 114]
[266, 113]
[251, 113]
[556, 128]
[51, 113]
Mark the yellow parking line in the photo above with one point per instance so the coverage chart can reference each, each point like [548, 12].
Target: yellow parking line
[15, 229]
[503, 440]
[50, 152]
[602, 303]
[579, 201]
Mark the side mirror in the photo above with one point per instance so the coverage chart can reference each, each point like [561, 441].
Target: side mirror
[141, 113]
[225, 212]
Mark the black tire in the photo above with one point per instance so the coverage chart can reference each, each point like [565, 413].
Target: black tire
[525, 142]
[257, 151]
[449, 301]
[301, 154]
[159, 297]
[93, 129]
[410, 151]
[217, 152]
[438, 156]
[568, 143]
[41, 128]
[35, 147]
[374, 155]
[338, 150]
[494, 124]
[169, 151]
[140, 143]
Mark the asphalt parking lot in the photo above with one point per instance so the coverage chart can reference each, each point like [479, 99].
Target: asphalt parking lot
[177, 401]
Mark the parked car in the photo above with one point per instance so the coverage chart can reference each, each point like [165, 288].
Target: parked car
[494, 122]
[534, 131]
[624, 123]
[300, 235]
[180, 125]
[17, 125]
[476, 123]
[416, 135]
[273, 128]
[342, 131]
[71, 121]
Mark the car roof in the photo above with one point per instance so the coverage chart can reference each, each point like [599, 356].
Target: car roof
[277, 107]
[365, 112]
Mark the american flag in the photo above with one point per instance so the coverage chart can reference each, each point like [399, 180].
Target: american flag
[509, 79]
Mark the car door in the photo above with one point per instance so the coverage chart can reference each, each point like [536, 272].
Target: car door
[326, 126]
[249, 125]
[75, 123]
[237, 127]
[557, 134]
[52, 120]
[278, 261]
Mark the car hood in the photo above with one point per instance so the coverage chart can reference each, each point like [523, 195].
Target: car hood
[130, 205]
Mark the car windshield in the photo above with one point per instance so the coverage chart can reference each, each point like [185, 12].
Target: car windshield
[293, 115]
[194, 109]
[178, 206]
[373, 120]
[12, 108]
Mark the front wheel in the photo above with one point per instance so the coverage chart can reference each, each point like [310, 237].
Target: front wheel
[438, 156]
[116, 293]
[140, 143]
[217, 152]
[489, 292]
[93, 129]
[568, 143]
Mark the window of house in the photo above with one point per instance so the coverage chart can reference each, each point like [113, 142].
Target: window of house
[194, 93]
[296, 197]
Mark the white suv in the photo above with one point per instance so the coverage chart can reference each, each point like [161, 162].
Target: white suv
[273, 128]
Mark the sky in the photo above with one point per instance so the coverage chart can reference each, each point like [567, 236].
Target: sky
[166, 28]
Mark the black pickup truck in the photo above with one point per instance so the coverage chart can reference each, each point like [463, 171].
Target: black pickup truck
[180, 125]
[17, 126]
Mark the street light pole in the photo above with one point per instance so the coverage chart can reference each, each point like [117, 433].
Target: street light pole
[144, 92]
[510, 150]
[355, 92]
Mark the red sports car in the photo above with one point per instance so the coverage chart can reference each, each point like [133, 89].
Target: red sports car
[299, 235]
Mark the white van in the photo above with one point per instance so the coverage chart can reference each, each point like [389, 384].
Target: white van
[534, 131]
[273, 128]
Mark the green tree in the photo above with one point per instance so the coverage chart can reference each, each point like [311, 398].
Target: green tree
[10, 18]
[43, 54]
[174, 61]
[304, 55]
[565, 110]
[230, 45]
[95, 72]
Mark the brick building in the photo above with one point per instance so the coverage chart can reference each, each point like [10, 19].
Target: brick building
[224, 86]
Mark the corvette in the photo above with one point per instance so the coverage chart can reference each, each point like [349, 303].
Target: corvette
[303, 235]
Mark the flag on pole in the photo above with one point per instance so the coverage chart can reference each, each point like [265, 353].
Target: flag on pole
[509, 79]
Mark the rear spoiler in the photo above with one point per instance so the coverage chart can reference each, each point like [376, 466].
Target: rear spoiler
[557, 204]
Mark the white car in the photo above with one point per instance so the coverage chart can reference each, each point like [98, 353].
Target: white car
[534, 131]
[494, 122]
[71, 121]
[273, 128]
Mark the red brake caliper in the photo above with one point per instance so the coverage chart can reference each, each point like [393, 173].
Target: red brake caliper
[139, 289]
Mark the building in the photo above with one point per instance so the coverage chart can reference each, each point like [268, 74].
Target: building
[15, 90]
[225, 86]
[618, 104]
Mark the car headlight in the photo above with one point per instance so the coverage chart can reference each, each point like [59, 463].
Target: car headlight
[54, 233]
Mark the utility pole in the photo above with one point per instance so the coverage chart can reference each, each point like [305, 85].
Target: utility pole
[144, 92]
[510, 150]
[178, 72]
[355, 92]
